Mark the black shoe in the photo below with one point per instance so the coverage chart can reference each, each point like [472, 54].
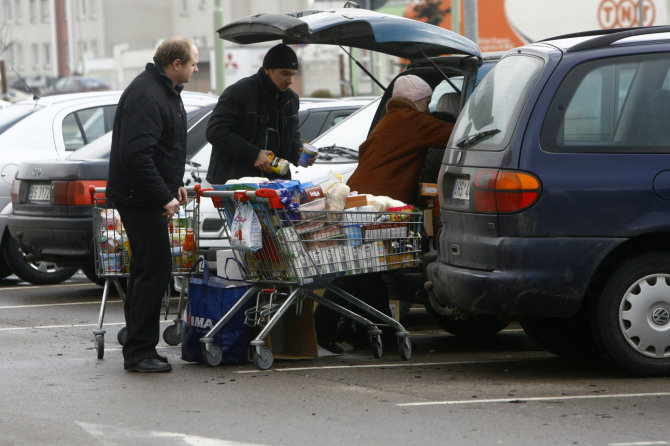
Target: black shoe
[150, 365]
[162, 358]
[331, 346]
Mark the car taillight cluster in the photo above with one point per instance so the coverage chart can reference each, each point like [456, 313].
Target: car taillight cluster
[74, 193]
[504, 191]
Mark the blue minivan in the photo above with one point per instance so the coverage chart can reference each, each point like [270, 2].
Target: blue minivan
[555, 197]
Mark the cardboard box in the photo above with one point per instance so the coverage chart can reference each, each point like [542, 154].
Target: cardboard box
[294, 335]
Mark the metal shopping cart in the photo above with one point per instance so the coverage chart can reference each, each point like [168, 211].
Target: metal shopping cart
[112, 258]
[303, 251]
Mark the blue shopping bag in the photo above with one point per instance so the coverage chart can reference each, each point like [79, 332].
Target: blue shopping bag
[209, 298]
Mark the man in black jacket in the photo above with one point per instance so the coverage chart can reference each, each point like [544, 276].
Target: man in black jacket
[255, 117]
[146, 167]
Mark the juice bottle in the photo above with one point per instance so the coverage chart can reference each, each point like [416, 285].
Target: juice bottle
[188, 249]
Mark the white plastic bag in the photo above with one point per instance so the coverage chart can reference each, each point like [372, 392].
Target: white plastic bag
[246, 233]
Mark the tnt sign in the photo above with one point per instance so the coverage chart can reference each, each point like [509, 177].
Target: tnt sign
[624, 13]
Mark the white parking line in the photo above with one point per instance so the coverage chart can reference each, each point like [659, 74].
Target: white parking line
[88, 302]
[42, 327]
[533, 399]
[60, 285]
[639, 443]
[398, 364]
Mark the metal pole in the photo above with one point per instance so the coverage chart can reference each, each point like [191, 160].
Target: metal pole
[456, 16]
[471, 18]
[640, 13]
[218, 65]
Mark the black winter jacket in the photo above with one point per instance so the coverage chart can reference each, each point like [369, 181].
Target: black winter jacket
[238, 126]
[148, 155]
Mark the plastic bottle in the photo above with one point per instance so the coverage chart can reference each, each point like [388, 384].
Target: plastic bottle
[188, 249]
[279, 165]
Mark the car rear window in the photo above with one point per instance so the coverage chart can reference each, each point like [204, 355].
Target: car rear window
[13, 114]
[613, 105]
[490, 115]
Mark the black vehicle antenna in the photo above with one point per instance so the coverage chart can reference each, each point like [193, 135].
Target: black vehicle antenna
[35, 95]
[432, 62]
[363, 68]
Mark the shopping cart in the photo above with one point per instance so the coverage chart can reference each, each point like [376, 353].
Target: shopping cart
[303, 251]
[112, 258]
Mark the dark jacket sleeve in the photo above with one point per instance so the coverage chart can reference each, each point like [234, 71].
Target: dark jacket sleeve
[139, 145]
[228, 116]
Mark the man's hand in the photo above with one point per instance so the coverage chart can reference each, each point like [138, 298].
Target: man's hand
[182, 196]
[172, 207]
[262, 162]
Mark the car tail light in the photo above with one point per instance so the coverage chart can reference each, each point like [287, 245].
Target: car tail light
[14, 192]
[75, 193]
[504, 191]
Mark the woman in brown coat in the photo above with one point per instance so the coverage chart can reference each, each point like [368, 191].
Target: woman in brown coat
[389, 162]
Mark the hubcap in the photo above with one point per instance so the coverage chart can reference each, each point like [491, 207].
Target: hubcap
[644, 316]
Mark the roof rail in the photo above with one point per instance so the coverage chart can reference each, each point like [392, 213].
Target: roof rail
[612, 37]
[593, 32]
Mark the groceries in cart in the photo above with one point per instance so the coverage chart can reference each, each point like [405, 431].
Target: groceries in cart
[315, 232]
[113, 248]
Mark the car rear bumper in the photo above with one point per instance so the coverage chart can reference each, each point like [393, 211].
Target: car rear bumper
[536, 278]
[53, 237]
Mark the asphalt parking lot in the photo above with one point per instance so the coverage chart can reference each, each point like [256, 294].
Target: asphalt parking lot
[505, 390]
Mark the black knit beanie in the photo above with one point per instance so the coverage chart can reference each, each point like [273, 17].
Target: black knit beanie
[280, 56]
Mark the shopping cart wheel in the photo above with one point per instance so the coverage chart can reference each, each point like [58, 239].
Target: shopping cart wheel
[376, 346]
[172, 334]
[263, 358]
[100, 345]
[213, 356]
[122, 336]
[404, 347]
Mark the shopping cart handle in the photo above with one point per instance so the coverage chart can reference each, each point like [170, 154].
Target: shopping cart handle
[270, 194]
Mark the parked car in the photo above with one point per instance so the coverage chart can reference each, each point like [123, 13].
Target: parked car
[75, 84]
[49, 127]
[58, 229]
[317, 116]
[555, 197]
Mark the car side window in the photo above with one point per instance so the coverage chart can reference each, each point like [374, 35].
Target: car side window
[83, 126]
[616, 105]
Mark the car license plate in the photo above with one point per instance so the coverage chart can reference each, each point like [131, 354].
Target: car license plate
[461, 189]
[39, 192]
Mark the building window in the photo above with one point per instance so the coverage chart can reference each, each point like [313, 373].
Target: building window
[19, 55]
[47, 55]
[33, 11]
[93, 49]
[36, 56]
[18, 12]
[93, 9]
[8, 11]
[202, 5]
[10, 56]
[185, 7]
[45, 11]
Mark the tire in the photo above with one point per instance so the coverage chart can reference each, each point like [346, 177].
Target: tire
[474, 327]
[566, 337]
[89, 271]
[37, 273]
[631, 317]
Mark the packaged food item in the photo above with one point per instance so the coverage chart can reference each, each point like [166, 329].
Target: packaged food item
[310, 193]
[188, 250]
[309, 152]
[278, 165]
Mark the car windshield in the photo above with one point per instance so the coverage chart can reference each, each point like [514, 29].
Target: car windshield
[11, 115]
[488, 118]
[340, 143]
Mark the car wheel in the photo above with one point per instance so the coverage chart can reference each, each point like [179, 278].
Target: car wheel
[474, 327]
[89, 271]
[631, 318]
[38, 273]
[566, 337]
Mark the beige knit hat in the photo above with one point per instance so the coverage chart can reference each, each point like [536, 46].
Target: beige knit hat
[411, 87]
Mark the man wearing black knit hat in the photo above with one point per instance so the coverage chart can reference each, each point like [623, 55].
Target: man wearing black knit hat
[255, 117]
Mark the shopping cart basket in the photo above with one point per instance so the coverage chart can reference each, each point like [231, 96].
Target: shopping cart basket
[112, 258]
[303, 251]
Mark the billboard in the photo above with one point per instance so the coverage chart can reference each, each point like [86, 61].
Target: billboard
[505, 24]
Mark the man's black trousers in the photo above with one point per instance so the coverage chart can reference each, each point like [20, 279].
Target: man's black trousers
[150, 268]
